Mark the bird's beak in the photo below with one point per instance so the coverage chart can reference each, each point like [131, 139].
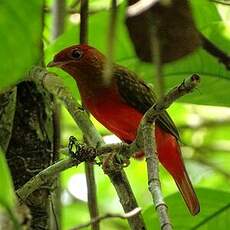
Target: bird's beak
[58, 63]
[53, 63]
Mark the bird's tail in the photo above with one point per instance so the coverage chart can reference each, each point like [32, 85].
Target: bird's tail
[169, 155]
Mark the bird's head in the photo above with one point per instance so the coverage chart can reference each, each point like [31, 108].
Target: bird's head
[79, 60]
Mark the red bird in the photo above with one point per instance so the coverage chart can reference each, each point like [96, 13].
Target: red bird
[120, 104]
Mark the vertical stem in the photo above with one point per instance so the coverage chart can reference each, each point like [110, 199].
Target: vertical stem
[89, 167]
[156, 57]
[84, 21]
[111, 42]
[127, 198]
[58, 13]
[153, 177]
[92, 196]
[149, 145]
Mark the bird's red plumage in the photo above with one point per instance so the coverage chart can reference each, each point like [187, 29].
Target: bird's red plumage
[107, 105]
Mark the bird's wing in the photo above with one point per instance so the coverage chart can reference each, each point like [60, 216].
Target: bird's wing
[137, 94]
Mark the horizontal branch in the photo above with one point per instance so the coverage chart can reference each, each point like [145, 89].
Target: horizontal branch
[84, 153]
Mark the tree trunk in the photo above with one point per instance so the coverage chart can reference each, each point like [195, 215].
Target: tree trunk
[31, 147]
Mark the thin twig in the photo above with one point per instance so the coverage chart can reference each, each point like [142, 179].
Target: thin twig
[153, 173]
[92, 193]
[58, 27]
[109, 216]
[156, 57]
[43, 177]
[89, 167]
[84, 21]
[58, 12]
[108, 69]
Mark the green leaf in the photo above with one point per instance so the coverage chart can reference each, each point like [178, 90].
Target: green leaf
[214, 214]
[20, 36]
[7, 197]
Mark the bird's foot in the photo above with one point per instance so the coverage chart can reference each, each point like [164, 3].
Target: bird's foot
[114, 162]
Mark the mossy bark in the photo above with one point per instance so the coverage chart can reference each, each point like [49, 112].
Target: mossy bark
[30, 149]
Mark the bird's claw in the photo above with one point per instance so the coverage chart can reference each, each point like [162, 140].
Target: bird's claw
[114, 162]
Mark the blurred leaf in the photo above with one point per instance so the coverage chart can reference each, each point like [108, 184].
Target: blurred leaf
[20, 25]
[7, 197]
[174, 27]
[214, 214]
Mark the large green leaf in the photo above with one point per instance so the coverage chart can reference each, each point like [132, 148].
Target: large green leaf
[20, 35]
[7, 197]
[214, 214]
[214, 76]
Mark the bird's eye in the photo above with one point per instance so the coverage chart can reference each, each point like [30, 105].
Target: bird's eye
[76, 54]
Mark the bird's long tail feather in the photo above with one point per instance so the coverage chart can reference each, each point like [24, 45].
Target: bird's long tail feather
[170, 157]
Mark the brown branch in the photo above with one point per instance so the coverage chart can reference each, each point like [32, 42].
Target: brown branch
[153, 175]
[84, 21]
[89, 167]
[92, 193]
[109, 216]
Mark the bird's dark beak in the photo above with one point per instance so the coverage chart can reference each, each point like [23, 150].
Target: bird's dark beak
[53, 63]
